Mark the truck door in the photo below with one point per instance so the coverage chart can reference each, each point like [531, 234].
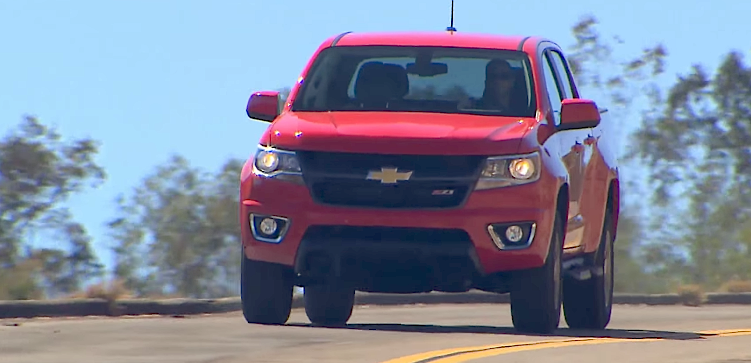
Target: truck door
[576, 146]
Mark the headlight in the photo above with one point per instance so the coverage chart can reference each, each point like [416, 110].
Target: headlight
[501, 171]
[271, 162]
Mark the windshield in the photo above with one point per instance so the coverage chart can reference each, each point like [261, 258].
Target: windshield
[419, 79]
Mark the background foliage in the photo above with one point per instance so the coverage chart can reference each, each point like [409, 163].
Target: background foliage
[686, 218]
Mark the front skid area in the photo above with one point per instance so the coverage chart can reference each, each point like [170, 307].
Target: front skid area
[406, 261]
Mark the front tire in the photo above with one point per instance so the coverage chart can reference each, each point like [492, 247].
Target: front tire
[589, 304]
[329, 304]
[536, 298]
[266, 292]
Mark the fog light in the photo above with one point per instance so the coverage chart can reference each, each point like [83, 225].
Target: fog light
[268, 226]
[514, 233]
[512, 236]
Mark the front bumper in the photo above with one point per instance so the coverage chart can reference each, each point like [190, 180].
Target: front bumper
[364, 236]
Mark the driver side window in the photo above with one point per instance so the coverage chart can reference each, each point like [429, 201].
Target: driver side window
[552, 88]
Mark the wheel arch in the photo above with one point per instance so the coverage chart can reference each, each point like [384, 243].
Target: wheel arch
[560, 209]
[614, 204]
[561, 206]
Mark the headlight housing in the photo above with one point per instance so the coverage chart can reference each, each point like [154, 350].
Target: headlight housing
[275, 163]
[507, 170]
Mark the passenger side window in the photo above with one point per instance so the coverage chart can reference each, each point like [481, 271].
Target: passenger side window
[563, 73]
[552, 87]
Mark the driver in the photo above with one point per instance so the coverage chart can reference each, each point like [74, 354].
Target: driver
[499, 82]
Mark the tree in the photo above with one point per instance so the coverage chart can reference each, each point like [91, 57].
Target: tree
[697, 143]
[39, 172]
[618, 84]
[637, 264]
[178, 233]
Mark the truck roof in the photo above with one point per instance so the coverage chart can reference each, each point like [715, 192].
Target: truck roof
[432, 38]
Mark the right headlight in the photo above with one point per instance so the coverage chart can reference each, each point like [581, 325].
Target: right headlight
[507, 170]
[275, 163]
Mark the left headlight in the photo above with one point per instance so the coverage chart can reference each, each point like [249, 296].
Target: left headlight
[272, 162]
[502, 171]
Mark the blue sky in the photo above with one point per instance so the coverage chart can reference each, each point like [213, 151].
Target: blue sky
[151, 78]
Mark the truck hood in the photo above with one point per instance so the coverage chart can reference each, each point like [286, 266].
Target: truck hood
[398, 132]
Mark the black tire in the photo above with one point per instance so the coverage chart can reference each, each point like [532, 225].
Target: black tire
[329, 304]
[589, 304]
[266, 292]
[536, 297]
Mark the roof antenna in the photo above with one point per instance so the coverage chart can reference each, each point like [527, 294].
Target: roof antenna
[451, 28]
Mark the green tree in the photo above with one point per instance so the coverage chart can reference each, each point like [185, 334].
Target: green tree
[39, 172]
[633, 257]
[697, 143]
[178, 233]
[618, 85]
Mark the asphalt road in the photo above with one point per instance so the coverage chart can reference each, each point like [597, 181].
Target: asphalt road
[441, 333]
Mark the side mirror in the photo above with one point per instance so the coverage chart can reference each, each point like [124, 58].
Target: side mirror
[577, 113]
[263, 105]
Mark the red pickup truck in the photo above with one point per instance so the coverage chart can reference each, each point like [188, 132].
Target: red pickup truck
[408, 162]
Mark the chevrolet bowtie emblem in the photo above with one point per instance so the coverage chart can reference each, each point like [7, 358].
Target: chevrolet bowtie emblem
[389, 175]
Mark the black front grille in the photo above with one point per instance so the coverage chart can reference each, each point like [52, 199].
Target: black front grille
[437, 181]
[358, 165]
[380, 235]
[407, 195]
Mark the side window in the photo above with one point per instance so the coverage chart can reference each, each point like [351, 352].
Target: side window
[552, 88]
[563, 73]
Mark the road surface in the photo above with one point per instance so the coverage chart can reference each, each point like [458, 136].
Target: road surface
[394, 334]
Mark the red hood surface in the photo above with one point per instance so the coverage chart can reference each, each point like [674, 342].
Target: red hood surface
[399, 132]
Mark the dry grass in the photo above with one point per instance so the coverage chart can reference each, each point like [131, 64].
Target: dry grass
[735, 286]
[162, 296]
[691, 295]
[116, 290]
[109, 291]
